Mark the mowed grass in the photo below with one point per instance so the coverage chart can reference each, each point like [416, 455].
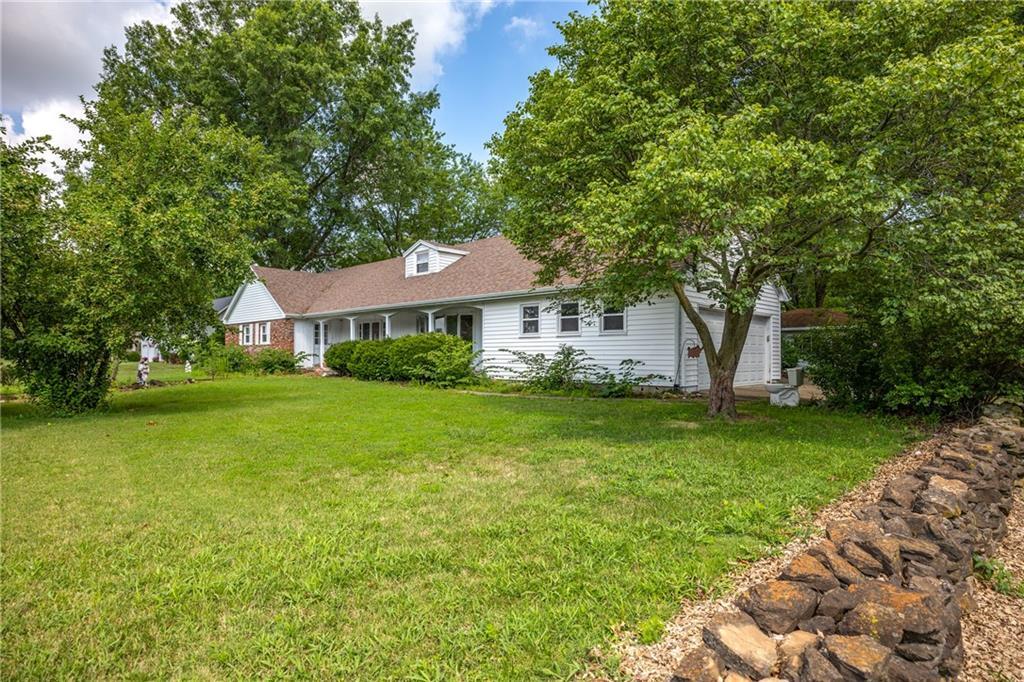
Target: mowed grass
[296, 526]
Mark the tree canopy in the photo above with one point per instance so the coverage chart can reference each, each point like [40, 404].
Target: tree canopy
[328, 95]
[722, 146]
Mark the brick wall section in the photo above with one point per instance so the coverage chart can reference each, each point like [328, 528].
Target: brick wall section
[282, 335]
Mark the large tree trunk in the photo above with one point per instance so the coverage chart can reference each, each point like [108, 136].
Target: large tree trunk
[721, 395]
[723, 360]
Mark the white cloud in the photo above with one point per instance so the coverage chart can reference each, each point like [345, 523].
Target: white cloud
[525, 27]
[441, 28]
[46, 118]
[54, 50]
[51, 52]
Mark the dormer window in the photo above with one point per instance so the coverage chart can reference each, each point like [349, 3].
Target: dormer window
[427, 258]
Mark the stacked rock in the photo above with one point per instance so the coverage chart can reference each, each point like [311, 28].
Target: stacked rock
[883, 596]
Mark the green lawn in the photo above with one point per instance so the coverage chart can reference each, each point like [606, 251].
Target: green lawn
[158, 371]
[296, 526]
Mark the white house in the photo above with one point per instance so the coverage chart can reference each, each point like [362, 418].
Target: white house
[483, 291]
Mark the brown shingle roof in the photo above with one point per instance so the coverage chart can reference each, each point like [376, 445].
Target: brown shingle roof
[799, 318]
[492, 266]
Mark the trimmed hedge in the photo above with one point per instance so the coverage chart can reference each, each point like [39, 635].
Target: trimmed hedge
[433, 358]
[337, 356]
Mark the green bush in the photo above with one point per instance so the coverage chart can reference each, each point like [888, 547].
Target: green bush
[371, 360]
[790, 353]
[569, 368]
[906, 369]
[132, 356]
[219, 359]
[337, 356]
[276, 361]
[448, 361]
[624, 383]
[66, 373]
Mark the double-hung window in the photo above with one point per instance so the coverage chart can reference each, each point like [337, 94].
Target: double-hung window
[422, 262]
[369, 330]
[245, 334]
[613, 320]
[263, 333]
[569, 318]
[529, 320]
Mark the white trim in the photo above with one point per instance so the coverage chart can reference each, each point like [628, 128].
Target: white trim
[612, 332]
[425, 253]
[442, 302]
[578, 317]
[522, 319]
[260, 328]
[432, 245]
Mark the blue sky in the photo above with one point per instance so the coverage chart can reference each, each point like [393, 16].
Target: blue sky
[478, 53]
[484, 80]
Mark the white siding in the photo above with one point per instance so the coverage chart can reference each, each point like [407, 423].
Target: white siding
[254, 304]
[438, 260]
[767, 311]
[444, 259]
[304, 340]
[650, 337]
[656, 334]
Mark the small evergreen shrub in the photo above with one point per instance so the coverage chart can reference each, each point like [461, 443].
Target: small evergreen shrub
[337, 356]
[276, 361]
[372, 361]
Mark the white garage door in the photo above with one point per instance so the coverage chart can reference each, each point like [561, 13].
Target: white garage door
[753, 367]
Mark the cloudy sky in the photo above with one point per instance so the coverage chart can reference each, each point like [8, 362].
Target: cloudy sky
[478, 54]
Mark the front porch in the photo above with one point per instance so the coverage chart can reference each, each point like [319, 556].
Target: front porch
[313, 336]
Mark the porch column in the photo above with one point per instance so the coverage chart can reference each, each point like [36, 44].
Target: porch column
[430, 317]
[351, 328]
[387, 325]
[321, 323]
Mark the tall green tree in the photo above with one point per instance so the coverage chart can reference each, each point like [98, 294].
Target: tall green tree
[722, 146]
[157, 215]
[328, 95]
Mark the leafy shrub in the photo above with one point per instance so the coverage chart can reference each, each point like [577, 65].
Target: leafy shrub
[371, 360]
[219, 359]
[337, 356]
[845, 364]
[276, 361]
[790, 353]
[623, 383]
[132, 356]
[66, 373]
[450, 363]
[904, 369]
[569, 368]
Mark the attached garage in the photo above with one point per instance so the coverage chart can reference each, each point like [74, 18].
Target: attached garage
[754, 367]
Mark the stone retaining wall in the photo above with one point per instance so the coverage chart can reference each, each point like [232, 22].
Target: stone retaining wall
[882, 597]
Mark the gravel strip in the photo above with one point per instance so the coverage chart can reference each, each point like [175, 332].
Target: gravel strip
[657, 661]
[994, 632]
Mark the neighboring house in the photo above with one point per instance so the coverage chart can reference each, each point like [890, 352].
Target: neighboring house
[149, 349]
[800, 320]
[484, 292]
